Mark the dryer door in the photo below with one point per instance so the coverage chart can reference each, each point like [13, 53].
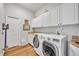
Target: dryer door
[50, 49]
[36, 41]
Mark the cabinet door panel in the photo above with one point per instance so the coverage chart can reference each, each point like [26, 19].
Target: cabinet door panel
[37, 22]
[67, 13]
[54, 17]
[76, 13]
[46, 19]
[33, 23]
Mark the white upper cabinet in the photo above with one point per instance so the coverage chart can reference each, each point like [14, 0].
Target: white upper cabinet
[67, 14]
[33, 23]
[76, 14]
[45, 19]
[54, 17]
[64, 14]
[41, 21]
[37, 22]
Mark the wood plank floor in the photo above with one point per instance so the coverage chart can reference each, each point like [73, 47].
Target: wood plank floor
[26, 50]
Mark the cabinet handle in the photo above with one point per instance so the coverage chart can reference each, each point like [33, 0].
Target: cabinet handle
[60, 24]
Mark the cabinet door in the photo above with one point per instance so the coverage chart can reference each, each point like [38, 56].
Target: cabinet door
[45, 19]
[76, 14]
[67, 13]
[54, 17]
[50, 18]
[36, 22]
[39, 21]
[33, 23]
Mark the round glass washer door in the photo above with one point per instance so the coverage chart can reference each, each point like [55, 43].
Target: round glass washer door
[36, 41]
[50, 49]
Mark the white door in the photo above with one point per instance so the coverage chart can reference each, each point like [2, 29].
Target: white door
[13, 33]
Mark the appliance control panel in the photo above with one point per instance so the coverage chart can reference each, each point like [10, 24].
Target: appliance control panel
[42, 37]
[55, 40]
[48, 38]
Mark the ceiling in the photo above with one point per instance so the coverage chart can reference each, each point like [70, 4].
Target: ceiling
[33, 6]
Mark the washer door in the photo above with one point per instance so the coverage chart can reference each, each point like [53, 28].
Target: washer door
[49, 49]
[36, 41]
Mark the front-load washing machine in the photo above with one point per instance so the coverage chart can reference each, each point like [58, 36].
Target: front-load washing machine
[55, 45]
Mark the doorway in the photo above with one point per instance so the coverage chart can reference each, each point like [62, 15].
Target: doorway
[13, 33]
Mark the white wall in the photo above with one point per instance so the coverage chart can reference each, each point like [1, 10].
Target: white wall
[69, 30]
[1, 21]
[22, 13]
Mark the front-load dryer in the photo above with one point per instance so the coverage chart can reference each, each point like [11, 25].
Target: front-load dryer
[55, 45]
[37, 43]
[30, 37]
